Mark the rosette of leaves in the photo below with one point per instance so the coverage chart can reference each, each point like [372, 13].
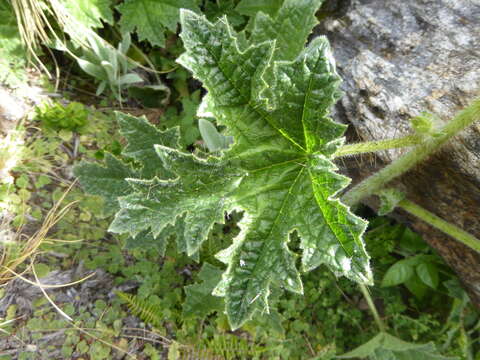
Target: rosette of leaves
[109, 66]
[72, 117]
[273, 97]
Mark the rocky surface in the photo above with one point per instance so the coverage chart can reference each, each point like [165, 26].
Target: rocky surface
[399, 59]
[83, 295]
[16, 103]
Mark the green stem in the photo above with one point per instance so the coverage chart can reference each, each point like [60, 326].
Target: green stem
[372, 307]
[371, 146]
[442, 225]
[398, 167]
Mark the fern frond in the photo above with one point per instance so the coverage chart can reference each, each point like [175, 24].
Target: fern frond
[223, 347]
[145, 311]
[220, 347]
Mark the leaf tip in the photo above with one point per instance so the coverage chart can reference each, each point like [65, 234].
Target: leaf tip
[187, 16]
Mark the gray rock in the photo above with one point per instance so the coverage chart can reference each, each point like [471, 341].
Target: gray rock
[399, 59]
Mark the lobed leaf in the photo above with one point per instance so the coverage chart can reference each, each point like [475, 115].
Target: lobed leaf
[141, 138]
[290, 26]
[112, 181]
[109, 181]
[199, 191]
[283, 141]
[279, 170]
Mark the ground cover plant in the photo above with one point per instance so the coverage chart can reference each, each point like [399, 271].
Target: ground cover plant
[217, 212]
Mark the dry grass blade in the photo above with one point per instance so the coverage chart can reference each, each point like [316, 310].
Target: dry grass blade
[29, 250]
[16, 254]
[32, 21]
[47, 286]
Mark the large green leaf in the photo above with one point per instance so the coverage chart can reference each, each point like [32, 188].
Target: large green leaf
[279, 170]
[112, 180]
[283, 141]
[150, 18]
[199, 191]
[387, 347]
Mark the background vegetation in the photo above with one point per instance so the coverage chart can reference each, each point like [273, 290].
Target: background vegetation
[129, 302]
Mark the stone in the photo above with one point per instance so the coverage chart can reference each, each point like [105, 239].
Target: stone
[399, 59]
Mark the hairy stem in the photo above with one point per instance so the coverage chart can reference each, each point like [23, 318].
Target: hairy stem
[372, 307]
[442, 225]
[371, 146]
[398, 167]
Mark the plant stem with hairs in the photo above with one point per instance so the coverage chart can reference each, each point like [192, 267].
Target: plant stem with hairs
[371, 146]
[403, 164]
[372, 307]
[442, 225]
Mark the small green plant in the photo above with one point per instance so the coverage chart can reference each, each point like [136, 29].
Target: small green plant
[56, 116]
[148, 313]
[408, 261]
[109, 66]
[416, 272]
